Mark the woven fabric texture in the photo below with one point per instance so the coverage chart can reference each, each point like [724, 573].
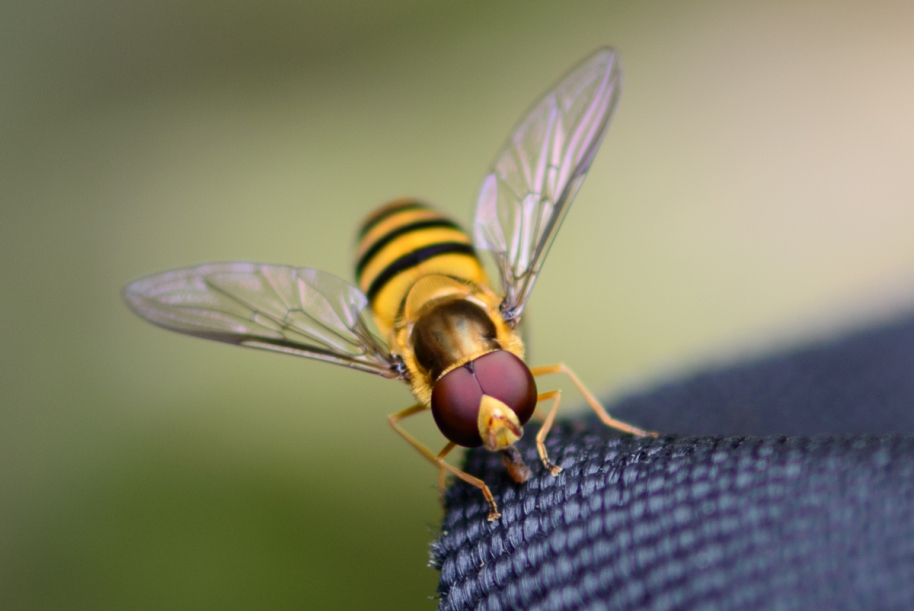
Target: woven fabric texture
[785, 519]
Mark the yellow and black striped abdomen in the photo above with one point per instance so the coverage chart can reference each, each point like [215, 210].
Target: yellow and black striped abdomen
[402, 242]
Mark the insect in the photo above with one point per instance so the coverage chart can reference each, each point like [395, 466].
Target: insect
[445, 329]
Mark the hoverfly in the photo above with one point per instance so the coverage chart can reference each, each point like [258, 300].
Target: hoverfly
[446, 331]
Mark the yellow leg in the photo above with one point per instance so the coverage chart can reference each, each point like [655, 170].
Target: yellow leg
[544, 430]
[442, 473]
[592, 401]
[438, 460]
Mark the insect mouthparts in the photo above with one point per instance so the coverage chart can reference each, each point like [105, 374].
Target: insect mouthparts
[514, 463]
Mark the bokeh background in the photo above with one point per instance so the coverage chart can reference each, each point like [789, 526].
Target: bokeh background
[755, 190]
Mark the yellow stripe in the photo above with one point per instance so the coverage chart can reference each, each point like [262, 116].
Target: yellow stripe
[384, 209]
[387, 304]
[389, 224]
[404, 245]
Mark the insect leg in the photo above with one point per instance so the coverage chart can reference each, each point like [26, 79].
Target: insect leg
[438, 460]
[406, 413]
[442, 473]
[592, 401]
[544, 430]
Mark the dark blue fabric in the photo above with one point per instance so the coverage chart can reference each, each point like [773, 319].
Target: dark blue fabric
[859, 383]
[815, 511]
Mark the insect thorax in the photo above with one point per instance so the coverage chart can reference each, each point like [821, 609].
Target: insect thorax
[445, 323]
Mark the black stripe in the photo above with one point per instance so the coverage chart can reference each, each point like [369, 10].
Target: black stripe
[396, 233]
[388, 212]
[410, 260]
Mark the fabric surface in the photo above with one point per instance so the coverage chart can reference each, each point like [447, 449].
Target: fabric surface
[814, 510]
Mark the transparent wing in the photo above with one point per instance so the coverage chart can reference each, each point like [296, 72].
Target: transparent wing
[535, 177]
[299, 311]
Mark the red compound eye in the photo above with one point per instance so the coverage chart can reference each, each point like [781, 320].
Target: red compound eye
[456, 396]
[504, 376]
[455, 406]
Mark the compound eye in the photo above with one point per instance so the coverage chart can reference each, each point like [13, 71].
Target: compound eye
[455, 406]
[507, 378]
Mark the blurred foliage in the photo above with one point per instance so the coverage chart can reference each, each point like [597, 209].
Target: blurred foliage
[164, 530]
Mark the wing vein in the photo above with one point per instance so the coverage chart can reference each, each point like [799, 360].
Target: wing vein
[539, 171]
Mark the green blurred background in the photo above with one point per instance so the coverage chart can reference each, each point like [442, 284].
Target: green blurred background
[755, 189]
